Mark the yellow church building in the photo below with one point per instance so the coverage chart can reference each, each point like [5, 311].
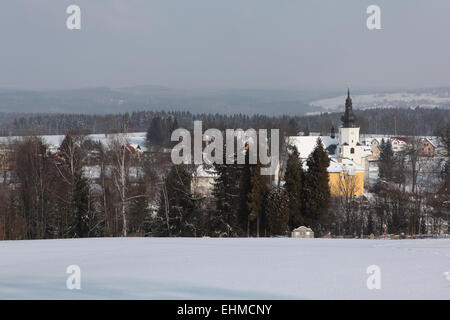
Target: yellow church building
[347, 157]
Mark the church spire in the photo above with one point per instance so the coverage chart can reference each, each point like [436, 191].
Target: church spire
[348, 118]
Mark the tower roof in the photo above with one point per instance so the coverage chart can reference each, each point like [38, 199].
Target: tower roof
[348, 118]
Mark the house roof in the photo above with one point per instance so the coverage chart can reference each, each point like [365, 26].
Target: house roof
[430, 141]
[346, 165]
[205, 171]
[399, 139]
[367, 150]
[302, 228]
[306, 144]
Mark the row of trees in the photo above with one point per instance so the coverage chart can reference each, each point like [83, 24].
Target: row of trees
[420, 121]
[86, 189]
[90, 189]
[244, 202]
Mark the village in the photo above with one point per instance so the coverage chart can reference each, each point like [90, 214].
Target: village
[353, 171]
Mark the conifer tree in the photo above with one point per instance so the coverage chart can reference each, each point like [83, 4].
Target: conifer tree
[138, 207]
[370, 224]
[386, 159]
[177, 214]
[245, 187]
[293, 187]
[73, 187]
[277, 212]
[155, 132]
[80, 207]
[259, 187]
[223, 219]
[316, 192]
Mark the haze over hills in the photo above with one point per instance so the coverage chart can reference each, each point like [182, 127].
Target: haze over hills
[424, 98]
[104, 100]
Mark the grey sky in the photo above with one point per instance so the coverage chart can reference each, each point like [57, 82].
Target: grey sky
[225, 43]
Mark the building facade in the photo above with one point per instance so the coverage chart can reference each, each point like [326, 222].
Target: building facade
[349, 146]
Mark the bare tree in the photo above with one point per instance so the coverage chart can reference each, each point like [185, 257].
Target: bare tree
[347, 188]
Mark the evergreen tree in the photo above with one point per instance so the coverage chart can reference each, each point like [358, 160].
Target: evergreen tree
[293, 186]
[386, 159]
[423, 226]
[138, 207]
[155, 132]
[223, 219]
[80, 209]
[74, 188]
[316, 192]
[370, 224]
[177, 214]
[245, 187]
[256, 197]
[277, 212]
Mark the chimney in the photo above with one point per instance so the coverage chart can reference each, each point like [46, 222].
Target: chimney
[340, 159]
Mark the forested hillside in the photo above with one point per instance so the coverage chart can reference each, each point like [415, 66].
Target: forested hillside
[417, 121]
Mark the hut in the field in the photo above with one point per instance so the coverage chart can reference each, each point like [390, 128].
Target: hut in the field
[302, 232]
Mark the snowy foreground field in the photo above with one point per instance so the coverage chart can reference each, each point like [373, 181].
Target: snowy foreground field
[206, 268]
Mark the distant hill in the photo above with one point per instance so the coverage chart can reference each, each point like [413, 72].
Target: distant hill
[424, 98]
[103, 100]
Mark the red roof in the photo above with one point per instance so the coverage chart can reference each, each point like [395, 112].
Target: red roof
[130, 148]
[399, 138]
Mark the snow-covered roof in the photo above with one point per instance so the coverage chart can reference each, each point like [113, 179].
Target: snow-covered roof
[400, 139]
[366, 150]
[203, 171]
[430, 140]
[302, 228]
[346, 165]
[306, 144]
[367, 139]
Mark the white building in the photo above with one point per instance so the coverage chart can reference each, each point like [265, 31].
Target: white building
[203, 180]
[349, 146]
[302, 232]
[398, 144]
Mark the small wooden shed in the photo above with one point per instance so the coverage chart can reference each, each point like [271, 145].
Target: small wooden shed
[302, 232]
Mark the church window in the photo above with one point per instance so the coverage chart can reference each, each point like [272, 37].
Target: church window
[352, 150]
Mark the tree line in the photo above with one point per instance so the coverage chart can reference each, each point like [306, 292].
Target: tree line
[395, 121]
[246, 203]
[85, 189]
[92, 189]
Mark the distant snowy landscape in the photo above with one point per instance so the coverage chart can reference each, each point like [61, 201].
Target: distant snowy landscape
[210, 268]
[432, 98]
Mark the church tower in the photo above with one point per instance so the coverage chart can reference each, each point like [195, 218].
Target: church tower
[349, 146]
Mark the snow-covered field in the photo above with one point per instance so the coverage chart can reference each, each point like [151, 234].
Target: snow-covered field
[207, 268]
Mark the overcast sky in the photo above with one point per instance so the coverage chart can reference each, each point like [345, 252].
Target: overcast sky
[224, 44]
